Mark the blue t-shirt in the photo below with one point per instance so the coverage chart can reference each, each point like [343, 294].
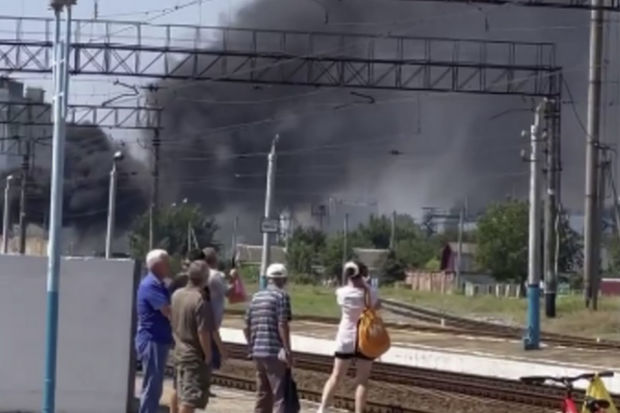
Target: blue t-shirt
[152, 324]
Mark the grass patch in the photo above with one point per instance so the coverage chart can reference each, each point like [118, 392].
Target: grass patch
[572, 317]
[305, 299]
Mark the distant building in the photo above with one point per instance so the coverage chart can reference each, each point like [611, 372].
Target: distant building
[449, 257]
[610, 286]
[358, 211]
[252, 254]
[374, 259]
[13, 137]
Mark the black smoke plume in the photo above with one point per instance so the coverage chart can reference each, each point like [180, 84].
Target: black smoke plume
[88, 160]
[406, 150]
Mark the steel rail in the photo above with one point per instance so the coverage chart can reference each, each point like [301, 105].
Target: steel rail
[462, 326]
[493, 328]
[546, 396]
[243, 383]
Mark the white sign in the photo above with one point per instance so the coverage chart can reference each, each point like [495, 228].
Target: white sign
[270, 226]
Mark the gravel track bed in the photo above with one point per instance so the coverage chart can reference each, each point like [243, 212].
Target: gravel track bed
[394, 394]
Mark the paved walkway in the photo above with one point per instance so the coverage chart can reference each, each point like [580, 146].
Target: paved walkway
[227, 400]
[467, 344]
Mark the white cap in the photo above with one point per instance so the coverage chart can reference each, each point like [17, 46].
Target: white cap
[276, 271]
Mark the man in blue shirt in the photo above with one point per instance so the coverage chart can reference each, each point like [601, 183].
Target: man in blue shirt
[154, 334]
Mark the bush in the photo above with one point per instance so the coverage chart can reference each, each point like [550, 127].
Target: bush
[304, 279]
[249, 272]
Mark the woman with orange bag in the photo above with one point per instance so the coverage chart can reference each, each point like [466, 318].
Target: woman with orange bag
[353, 298]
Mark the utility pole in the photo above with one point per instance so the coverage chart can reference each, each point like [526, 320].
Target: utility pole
[154, 189]
[551, 203]
[234, 236]
[393, 231]
[614, 193]
[345, 249]
[590, 247]
[459, 254]
[23, 197]
[118, 156]
[604, 169]
[532, 338]
[271, 171]
[6, 214]
[60, 72]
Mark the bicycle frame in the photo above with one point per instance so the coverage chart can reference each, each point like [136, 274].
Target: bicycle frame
[569, 405]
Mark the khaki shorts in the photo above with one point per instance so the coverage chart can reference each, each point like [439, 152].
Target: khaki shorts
[192, 384]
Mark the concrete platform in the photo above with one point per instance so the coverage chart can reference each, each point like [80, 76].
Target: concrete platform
[458, 353]
[227, 400]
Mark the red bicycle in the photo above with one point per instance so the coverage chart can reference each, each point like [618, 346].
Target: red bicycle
[569, 405]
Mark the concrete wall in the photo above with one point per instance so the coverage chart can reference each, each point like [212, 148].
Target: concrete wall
[94, 341]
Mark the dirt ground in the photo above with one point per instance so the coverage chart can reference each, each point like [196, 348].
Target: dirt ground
[393, 394]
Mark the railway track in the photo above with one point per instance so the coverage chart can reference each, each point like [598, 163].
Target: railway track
[458, 383]
[243, 383]
[438, 322]
[492, 329]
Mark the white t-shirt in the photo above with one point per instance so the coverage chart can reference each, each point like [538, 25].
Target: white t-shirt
[351, 301]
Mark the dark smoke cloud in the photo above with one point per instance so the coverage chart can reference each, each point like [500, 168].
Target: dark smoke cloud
[88, 160]
[405, 150]
[429, 150]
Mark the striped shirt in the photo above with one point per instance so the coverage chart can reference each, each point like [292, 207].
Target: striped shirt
[268, 309]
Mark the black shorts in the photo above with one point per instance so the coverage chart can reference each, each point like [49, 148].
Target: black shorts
[349, 356]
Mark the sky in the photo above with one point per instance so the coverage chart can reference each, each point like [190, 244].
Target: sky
[222, 12]
[86, 90]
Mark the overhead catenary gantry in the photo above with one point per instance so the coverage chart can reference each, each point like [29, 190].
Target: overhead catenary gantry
[609, 5]
[107, 117]
[287, 57]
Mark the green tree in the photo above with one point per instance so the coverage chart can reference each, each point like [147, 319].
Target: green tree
[570, 257]
[332, 254]
[304, 248]
[171, 228]
[393, 269]
[416, 252]
[412, 248]
[503, 240]
[374, 234]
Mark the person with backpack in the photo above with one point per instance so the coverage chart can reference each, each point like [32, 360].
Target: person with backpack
[353, 298]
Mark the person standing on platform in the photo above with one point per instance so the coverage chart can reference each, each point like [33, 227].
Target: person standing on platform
[268, 335]
[180, 281]
[352, 300]
[154, 335]
[192, 325]
[219, 286]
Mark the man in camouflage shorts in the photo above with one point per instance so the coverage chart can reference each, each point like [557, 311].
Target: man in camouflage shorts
[192, 326]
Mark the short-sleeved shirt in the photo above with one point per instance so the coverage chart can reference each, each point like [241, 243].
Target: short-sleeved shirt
[352, 303]
[153, 326]
[218, 286]
[190, 313]
[269, 308]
